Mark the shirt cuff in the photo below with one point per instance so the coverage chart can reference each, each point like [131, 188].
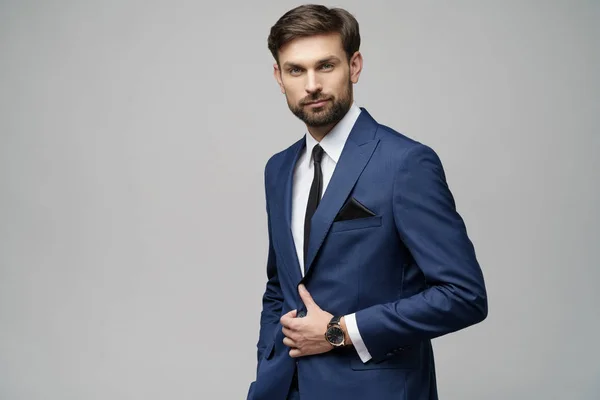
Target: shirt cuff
[357, 341]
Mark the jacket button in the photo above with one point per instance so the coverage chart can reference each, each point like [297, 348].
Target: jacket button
[301, 314]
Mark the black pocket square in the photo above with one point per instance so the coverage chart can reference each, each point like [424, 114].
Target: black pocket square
[353, 209]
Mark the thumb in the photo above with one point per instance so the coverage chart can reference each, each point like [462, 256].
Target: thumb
[306, 298]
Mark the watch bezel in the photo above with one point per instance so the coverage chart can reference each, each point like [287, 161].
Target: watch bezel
[329, 333]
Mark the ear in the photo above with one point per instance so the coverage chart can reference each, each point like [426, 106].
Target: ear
[356, 65]
[277, 75]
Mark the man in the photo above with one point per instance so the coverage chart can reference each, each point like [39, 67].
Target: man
[368, 259]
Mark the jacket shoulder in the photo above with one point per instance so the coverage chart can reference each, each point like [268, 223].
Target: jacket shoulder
[400, 144]
[397, 140]
[404, 151]
[275, 163]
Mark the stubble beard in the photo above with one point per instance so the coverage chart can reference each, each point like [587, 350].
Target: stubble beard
[329, 114]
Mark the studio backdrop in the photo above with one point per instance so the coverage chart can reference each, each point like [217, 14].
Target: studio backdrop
[133, 140]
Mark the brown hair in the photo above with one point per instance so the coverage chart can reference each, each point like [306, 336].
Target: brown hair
[314, 19]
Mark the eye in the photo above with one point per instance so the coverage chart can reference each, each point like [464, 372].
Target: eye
[327, 66]
[294, 71]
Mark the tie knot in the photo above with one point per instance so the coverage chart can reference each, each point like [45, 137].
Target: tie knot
[317, 154]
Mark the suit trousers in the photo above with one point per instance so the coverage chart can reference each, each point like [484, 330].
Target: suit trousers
[294, 394]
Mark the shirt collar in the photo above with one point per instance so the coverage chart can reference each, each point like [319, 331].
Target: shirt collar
[333, 143]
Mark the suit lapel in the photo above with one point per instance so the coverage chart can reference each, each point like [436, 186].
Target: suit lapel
[285, 193]
[357, 151]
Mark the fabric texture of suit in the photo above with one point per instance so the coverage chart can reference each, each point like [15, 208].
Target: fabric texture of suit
[408, 272]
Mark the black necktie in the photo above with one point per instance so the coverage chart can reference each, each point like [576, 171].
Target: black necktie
[314, 197]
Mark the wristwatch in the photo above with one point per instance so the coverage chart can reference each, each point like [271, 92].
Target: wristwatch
[334, 333]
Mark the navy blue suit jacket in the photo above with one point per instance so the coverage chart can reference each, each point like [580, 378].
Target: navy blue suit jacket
[409, 273]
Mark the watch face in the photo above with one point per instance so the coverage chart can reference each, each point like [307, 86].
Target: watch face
[335, 335]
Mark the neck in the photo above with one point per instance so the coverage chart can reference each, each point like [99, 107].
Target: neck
[319, 132]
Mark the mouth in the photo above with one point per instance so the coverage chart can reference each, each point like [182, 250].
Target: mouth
[318, 103]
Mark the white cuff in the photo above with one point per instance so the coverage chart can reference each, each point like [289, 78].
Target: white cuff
[357, 341]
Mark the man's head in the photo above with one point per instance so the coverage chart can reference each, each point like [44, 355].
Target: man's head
[316, 62]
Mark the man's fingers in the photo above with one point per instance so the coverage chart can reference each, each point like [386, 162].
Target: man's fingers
[287, 318]
[306, 298]
[289, 342]
[287, 332]
[294, 353]
[290, 314]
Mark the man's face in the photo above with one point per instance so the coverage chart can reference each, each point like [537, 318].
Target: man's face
[316, 78]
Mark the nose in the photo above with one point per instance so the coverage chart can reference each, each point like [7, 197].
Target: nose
[312, 83]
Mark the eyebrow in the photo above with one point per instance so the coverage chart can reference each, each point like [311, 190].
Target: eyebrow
[289, 64]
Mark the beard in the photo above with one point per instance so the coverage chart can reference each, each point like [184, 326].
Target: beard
[328, 114]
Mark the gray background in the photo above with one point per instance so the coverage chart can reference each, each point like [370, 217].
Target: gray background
[133, 137]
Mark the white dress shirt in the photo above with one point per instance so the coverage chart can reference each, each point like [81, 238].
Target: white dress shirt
[332, 144]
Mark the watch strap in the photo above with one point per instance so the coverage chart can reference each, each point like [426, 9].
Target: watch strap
[335, 320]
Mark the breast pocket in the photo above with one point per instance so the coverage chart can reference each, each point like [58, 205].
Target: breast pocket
[358, 223]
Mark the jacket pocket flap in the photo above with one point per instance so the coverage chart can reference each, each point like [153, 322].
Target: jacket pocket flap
[406, 358]
[268, 353]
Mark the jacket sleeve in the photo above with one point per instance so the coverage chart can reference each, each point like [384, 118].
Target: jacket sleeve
[272, 299]
[435, 234]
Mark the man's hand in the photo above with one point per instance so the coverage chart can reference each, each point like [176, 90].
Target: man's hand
[306, 336]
